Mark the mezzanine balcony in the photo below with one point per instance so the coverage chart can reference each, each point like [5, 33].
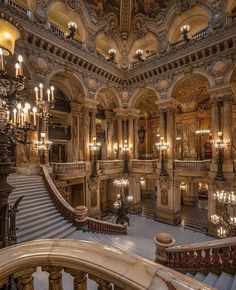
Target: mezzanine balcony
[192, 167]
[69, 170]
[144, 166]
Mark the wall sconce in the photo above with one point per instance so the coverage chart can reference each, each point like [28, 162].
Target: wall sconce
[182, 186]
[138, 55]
[112, 54]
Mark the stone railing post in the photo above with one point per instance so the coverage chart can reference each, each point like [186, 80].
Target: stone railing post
[55, 277]
[102, 284]
[80, 279]
[162, 242]
[81, 213]
[26, 279]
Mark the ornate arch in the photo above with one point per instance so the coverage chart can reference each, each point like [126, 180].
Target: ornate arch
[115, 96]
[137, 95]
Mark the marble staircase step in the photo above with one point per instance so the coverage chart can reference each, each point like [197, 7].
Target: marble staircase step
[225, 282]
[211, 279]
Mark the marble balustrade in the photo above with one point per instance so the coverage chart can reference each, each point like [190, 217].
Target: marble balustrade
[144, 166]
[107, 266]
[200, 165]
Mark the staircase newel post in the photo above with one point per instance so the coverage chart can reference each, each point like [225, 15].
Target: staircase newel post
[163, 241]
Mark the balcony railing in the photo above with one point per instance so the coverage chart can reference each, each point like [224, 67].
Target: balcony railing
[110, 166]
[69, 170]
[144, 166]
[60, 132]
[192, 165]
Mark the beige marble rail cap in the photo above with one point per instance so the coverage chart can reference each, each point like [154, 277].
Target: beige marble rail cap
[126, 270]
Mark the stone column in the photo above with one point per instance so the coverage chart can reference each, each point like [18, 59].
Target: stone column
[215, 124]
[109, 134]
[69, 143]
[162, 122]
[120, 137]
[136, 139]
[170, 133]
[75, 109]
[227, 127]
[131, 137]
[92, 125]
[86, 133]
[81, 135]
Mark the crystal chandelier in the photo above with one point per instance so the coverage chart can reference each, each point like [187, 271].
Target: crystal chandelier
[203, 132]
[123, 202]
[225, 222]
[43, 145]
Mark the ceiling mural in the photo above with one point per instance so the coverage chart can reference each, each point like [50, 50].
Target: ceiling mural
[104, 7]
[149, 8]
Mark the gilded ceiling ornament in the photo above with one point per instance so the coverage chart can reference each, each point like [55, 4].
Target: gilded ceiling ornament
[184, 5]
[39, 9]
[111, 26]
[139, 28]
[218, 19]
[71, 4]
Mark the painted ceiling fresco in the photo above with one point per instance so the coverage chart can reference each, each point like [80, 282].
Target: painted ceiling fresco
[149, 8]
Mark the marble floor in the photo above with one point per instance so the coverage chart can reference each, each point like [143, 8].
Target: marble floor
[138, 241]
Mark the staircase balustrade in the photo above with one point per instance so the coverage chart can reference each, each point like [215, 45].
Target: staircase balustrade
[109, 267]
[213, 256]
[69, 169]
[73, 215]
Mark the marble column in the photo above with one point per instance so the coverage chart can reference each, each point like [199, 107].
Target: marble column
[69, 142]
[227, 127]
[131, 137]
[215, 124]
[81, 135]
[75, 108]
[120, 136]
[104, 149]
[92, 125]
[170, 133]
[162, 122]
[86, 133]
[109, 134]
[55, 277]
[136, 139]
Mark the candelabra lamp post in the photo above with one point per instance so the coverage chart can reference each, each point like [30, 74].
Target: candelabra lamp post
[125, 149]
[162, 146]
[220, 144]
[124, 200]
[15, 124]
[225, 222]
[94, 147]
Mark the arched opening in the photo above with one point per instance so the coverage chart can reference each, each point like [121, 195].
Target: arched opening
[197, 18]
[193, 118]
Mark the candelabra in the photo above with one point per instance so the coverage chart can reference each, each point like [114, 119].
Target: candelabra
[162, 147]
[220, 144]
[225, 222]
[94, 147]
[15, 124]
[125, 149]
[185, 30]
[124, 200]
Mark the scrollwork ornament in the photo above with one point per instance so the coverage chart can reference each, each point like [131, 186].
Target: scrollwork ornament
[184, 5]
[218, 19]
[139, 28]
[71, 4]
[39, 8]
[162, 42]
[111, 26]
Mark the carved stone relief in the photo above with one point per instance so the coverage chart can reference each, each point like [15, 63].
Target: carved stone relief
[39, 8]
[165, 182]
[93, 188]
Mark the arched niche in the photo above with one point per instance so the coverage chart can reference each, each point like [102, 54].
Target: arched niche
[60, 15]
[197, 18]
[108, 98]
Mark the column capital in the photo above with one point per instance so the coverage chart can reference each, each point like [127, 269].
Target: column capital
[75, 106]
[91, 103]
[127, 113]
[167, 104]
[221, 93]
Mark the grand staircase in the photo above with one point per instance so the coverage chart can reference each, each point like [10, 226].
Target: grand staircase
[223, 281]
[37, 217]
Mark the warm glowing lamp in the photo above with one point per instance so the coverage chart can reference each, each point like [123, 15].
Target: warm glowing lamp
[8, 36]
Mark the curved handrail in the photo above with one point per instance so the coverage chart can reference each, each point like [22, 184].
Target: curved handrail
[125, 270]
[68, 212]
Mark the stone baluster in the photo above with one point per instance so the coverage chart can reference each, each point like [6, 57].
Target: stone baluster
[26, 280]
[55, 277]
[80, 279]
[86, 133]
[102, 284]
